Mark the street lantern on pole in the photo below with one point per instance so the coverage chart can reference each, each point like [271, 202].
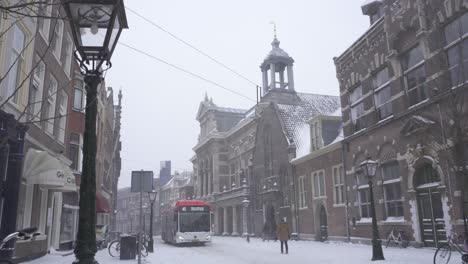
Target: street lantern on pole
[152, 198]
[96, 26]
[369, 169]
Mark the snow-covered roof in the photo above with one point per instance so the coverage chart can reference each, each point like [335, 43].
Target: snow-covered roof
[295, 116]
[277, 52]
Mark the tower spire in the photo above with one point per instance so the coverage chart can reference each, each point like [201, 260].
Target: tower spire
[274, 28]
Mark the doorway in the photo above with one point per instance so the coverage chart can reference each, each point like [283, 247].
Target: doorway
[431, 214]
[323, 235]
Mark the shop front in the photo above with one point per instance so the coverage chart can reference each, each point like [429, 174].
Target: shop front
[47, 184]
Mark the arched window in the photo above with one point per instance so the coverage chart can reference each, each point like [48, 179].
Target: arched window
[425, 175]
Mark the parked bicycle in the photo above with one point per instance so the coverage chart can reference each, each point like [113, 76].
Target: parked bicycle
[399, 240]
[444, 252]
[114, 248]
[6, 246]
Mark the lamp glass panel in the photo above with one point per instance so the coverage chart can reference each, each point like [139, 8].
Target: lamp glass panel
[92, 22]
[372, 168]
[114, 33]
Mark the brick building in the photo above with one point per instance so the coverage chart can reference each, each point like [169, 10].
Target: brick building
[318, 171]
[403, 96]
[280, 115]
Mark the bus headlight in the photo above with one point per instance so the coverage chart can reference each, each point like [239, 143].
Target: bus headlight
[208, 237]
[181, 238]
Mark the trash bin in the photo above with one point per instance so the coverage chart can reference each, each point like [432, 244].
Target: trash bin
[128, 247]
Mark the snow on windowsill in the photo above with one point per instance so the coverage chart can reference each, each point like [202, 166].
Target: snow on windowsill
[385, 119]
[364, 221]
[418, 104]
[394, 220]
[428, 185]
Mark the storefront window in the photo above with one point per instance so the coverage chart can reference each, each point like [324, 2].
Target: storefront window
[66, 226]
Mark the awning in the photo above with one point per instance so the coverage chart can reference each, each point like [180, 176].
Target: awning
[102, 205]
[42, 168]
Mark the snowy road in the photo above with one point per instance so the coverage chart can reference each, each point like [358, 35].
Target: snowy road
[236, 250]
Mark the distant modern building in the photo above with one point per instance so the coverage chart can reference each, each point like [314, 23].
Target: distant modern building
[165, 172]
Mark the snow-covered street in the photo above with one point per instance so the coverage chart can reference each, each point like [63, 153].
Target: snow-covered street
[228, 250]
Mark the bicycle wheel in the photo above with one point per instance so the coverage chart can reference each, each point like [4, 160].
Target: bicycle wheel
[114, 248]
[144, 250]
[442, 255]
[404, 243]
[390, 241]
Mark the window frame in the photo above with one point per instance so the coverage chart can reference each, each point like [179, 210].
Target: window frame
[321, 191]
[57, 41]
[83, 95]
[380, 89]
[413, 68]
[316, 135]
[389, 182]
[338, 186]
[68, 55]
[458, 44]
[17, 59]
[51, 101]
[354, 103]
[63, 109]
[302, 193]
[44, 30]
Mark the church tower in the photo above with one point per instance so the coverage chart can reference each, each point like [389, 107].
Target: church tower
[277, 70]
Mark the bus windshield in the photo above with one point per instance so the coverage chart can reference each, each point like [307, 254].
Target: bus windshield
[194, 221]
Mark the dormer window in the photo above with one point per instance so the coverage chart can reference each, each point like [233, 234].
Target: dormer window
[316, 135]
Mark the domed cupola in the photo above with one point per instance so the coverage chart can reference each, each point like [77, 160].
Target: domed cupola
[276, 63]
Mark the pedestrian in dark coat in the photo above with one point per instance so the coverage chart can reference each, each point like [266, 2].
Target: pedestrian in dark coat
[283, 235]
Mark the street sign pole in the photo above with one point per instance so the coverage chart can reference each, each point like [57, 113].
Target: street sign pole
[142, 181]
[140, 246]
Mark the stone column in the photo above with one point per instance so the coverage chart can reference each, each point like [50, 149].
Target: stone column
[273, 76]
[265, 81]
[234, 221]
[210, 174]
[281, 76]
[290, 78]
[225, 221]
[218, 221]
[216, 171]
[245, 207]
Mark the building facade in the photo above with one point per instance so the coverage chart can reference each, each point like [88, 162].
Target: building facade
[403, 95]
[280, 116]
[319, 173]
[223, 154]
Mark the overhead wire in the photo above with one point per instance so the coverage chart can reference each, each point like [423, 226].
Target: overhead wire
[184, 70]
[191, 46]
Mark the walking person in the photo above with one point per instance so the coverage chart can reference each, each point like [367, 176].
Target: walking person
[283, 235]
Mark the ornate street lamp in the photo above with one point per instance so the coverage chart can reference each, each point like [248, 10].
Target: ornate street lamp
[152, 198]
[96, 26]
[369, 168]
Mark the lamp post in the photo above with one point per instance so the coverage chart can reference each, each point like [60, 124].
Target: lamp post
[369, 168]
[152, 199]
[96, 26]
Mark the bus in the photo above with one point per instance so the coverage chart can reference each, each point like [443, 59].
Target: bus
[188, 221]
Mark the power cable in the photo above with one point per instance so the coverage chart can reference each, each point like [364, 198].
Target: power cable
[191, 46]
[185, 71]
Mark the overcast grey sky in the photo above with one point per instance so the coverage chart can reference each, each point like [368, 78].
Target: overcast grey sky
[160, 103]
